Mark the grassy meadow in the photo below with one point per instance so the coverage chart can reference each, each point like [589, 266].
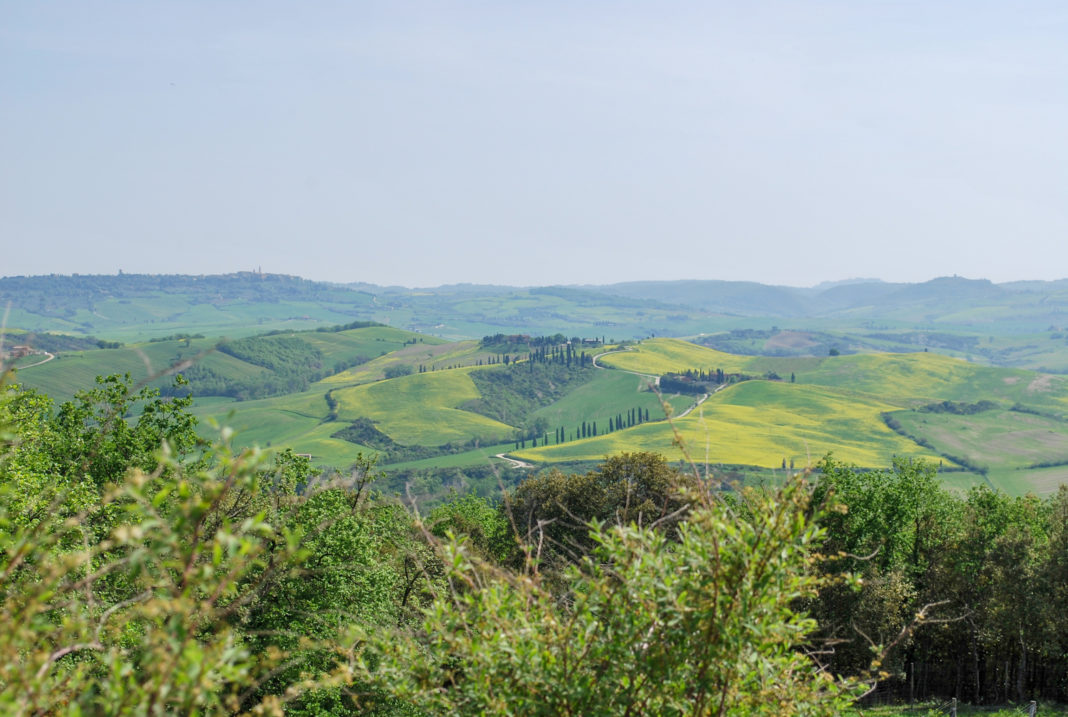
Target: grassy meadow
[421, 409]
[297, 421]
[432, 354]
[607, 394]
[1015, 450]
[660, 356]
[75, 371]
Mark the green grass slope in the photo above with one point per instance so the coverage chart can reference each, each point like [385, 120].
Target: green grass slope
[296, 421]
[919, 378]
[76, 371]
[1018, 451]
[421, 409]
[431, 353]
[607, 394]
[660, 356]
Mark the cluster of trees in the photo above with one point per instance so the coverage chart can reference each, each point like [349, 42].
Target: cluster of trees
[698, 381]
[563, 355]
[144, 572]
[292, 365]
[585, 429]
[960, 408]
[520, 341]
[186, 337]
[990, 571]
[512, 393]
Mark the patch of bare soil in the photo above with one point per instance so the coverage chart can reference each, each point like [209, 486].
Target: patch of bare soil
[1041, 384]
[790, 340]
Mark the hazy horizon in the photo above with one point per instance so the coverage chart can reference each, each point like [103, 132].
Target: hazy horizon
[420, 144]
[828, 283]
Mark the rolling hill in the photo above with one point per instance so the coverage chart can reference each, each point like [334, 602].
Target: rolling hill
[421, 402]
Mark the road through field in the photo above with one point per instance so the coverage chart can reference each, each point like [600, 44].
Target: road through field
[46, 360]
[656, 380]
[516, 463]
[703, 399]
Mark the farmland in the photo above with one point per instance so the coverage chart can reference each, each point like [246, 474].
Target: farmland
[420, 400]
[425, 413]
[759, 423]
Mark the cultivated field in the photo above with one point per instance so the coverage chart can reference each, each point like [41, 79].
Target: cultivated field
[759, 423]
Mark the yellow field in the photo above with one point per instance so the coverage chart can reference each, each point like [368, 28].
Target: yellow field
[421, 409]
[759, 423]
[928, 377]
[660, 356]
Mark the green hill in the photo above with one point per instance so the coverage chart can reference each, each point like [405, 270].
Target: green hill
[413, 399]
[759, 423]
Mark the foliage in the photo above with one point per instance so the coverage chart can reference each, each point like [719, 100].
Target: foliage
[550, 513]
[144, 573]
[97, 437]
[986, 570]
[701, 624]
[484, 527]
[398, 370]
[214, 586]
[510, 394]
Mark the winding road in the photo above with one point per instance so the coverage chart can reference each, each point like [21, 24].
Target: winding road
[31, 365]
[515, 463]
[702, 400]
[654, 379]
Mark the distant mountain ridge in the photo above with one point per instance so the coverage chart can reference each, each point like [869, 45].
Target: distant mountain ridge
[128, 306]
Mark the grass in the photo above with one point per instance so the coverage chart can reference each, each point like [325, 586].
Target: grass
[1006, 443]
[919, 378]
[833, 406]
[607, 394]
[432, 354]
[759, 423]
[295, 421]
[76, 371]
[660, 356]
[165, 314]
[366, 343]
[421, 409]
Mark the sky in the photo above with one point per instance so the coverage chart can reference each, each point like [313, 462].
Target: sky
[533, 143]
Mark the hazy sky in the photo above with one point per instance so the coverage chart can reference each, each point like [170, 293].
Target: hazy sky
[536, 142]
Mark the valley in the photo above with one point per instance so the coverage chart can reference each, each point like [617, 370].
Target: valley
[439, 410]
